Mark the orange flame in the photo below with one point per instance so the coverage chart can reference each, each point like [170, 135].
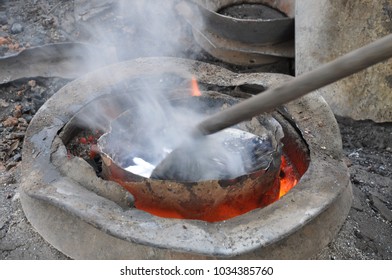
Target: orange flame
[195, 87]
[289, 177]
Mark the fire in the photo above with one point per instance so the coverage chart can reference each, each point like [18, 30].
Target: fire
[195, 87]
[288, 177]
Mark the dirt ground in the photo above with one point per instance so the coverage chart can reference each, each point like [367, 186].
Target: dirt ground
[366, 234]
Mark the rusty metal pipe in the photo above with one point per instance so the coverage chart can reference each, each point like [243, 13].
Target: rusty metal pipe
[333, 71]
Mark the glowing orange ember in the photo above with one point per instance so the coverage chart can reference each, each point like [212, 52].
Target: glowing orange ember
[288, 177]
[195, 88]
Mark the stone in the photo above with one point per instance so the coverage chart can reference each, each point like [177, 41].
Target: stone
[16, 28]
[382, 208]
[10, 121]
[327, 29]
[3, 18]
[32, 83]
[27, 117]
[4, 41]
[3, 103]
[358, 196]
[16, 157]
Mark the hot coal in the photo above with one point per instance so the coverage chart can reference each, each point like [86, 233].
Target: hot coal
[216, 157]
[251, 11]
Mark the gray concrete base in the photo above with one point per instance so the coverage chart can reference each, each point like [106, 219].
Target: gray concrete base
[76, 216]
[80, 240]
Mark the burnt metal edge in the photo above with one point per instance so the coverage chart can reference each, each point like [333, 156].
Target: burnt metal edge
[54, 60]
[204, 16]
[79, 222]
[285, 6]
[241, 41]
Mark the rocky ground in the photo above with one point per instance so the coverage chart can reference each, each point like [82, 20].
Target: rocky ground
[366, 234]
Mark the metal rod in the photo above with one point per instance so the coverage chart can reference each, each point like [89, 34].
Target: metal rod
[326, 74]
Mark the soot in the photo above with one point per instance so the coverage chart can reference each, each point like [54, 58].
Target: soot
[251, 11]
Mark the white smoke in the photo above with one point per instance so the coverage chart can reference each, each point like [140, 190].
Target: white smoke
[154, 28]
